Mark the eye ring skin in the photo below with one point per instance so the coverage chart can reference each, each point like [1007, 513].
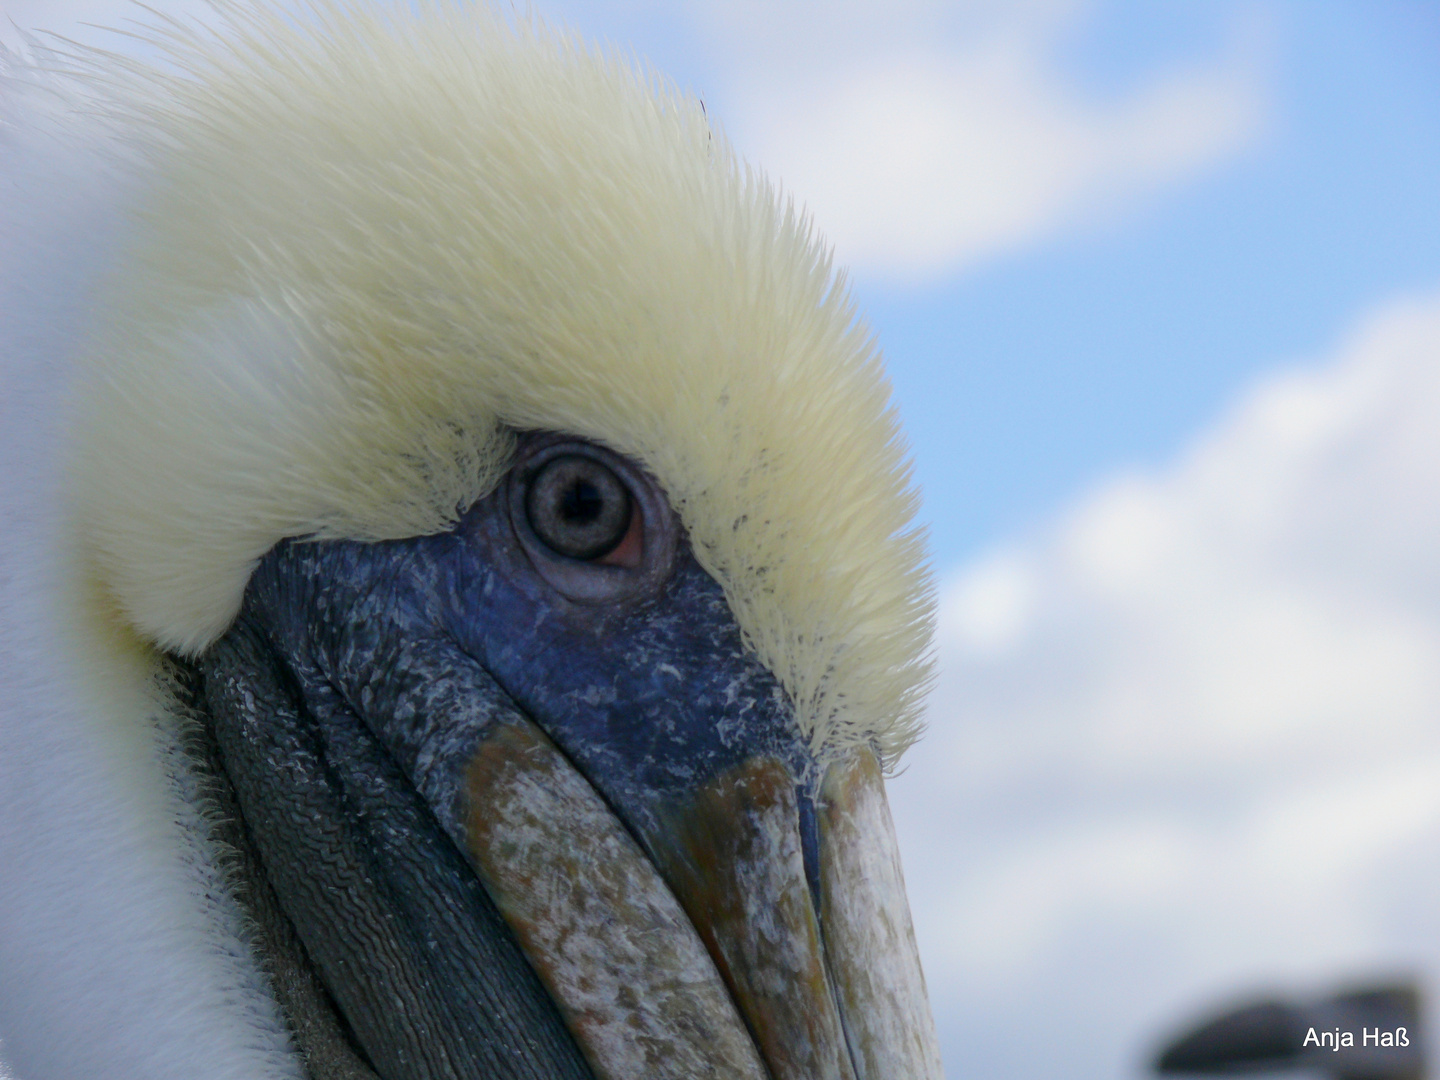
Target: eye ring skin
[594, 581]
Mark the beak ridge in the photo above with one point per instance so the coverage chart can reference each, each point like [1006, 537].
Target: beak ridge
[869, 936]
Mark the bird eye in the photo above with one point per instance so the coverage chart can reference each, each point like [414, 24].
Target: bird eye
[578, 507]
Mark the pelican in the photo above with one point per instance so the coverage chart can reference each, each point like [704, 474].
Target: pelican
[459, 595]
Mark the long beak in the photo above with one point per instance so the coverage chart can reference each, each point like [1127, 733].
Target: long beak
[708, 957]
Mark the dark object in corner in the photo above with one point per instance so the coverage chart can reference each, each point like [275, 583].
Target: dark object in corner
[1370, 1034]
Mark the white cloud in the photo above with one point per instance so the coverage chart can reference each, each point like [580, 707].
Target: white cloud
[1189, 740]
[925, 144]
[987, 610]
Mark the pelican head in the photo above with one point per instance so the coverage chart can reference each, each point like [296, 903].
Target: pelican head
[481, 490]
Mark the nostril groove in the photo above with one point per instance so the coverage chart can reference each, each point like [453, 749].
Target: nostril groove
[809, 841]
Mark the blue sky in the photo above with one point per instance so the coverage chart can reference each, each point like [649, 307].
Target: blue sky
[1025, 379]
[1159, 285]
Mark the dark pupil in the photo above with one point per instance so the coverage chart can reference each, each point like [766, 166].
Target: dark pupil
[581, 504]
[577, 507]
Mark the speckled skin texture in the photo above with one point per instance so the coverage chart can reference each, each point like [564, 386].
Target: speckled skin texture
[407, 942]
[359, 681]
[316, 1027]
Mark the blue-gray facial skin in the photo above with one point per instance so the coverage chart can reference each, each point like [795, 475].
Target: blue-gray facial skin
[638, 674]
[366, 675]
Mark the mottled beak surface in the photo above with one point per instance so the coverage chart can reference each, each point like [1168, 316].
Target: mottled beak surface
[690, 964]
